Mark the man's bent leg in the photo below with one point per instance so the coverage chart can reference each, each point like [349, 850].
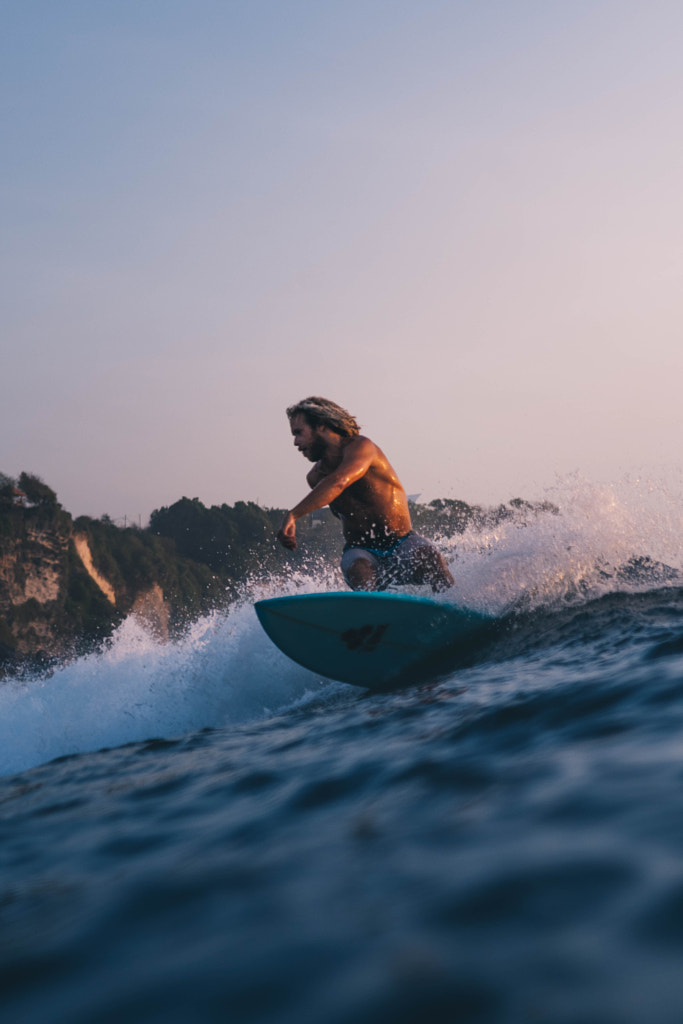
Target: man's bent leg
[429, 567]
[360, 569]
[419, 561]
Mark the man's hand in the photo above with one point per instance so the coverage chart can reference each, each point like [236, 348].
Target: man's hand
[287, 532]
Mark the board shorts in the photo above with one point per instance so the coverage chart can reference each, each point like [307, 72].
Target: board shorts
[394, 564]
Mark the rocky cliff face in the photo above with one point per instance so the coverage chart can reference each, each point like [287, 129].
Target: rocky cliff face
[32, 567]
[48, 602]
[65, 586]
[54, 602]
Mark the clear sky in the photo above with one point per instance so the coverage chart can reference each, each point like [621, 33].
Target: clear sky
[461, 220]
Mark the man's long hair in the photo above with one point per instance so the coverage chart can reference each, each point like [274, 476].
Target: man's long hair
[320, 412]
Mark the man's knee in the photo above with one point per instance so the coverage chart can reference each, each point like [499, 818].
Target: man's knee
[436, 571]
[361, 574]
[430, 567]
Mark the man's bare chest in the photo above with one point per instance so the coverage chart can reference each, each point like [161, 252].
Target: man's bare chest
[360, 496]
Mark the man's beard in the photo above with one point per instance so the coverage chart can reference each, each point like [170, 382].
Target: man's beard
[316, 450]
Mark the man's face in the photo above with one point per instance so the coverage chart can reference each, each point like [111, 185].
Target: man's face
[307, 438]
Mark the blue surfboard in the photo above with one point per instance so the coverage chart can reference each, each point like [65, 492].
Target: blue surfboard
[376, 640]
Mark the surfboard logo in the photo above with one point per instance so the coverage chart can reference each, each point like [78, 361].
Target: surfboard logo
[365, 638]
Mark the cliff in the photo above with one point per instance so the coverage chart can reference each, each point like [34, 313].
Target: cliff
[50, 607]
[65, 585]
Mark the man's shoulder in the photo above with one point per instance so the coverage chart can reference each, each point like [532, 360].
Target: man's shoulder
[360, 450]
[360, 443]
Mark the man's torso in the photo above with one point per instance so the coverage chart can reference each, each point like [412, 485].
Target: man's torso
[373, 510]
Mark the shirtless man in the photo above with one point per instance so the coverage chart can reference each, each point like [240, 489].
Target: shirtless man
[353, 476]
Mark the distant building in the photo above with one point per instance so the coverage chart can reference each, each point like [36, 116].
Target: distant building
[19, 497]
[414, 497]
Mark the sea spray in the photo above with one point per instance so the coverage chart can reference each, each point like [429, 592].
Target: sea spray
[592, 540]
[223, 672]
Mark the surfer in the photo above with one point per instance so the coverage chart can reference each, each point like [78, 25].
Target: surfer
[353, 476]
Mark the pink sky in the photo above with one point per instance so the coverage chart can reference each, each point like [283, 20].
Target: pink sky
[463, 224]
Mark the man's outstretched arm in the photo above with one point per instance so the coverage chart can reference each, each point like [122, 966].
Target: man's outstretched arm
[356, 461]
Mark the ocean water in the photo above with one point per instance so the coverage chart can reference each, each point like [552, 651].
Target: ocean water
[202, 831]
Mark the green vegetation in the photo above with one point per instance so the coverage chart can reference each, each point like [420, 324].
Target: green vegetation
[28, 502]
[224, 538]
[133, 560]
[37, 492]
[238, 543]
[7, 485]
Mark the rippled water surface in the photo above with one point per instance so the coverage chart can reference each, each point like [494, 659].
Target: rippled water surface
[254, 843]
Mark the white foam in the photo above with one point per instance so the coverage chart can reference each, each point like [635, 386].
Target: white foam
[574, 555]
[224, 672]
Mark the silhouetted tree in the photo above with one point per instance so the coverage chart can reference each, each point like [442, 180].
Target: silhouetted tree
[37, 492]
[7, 485]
